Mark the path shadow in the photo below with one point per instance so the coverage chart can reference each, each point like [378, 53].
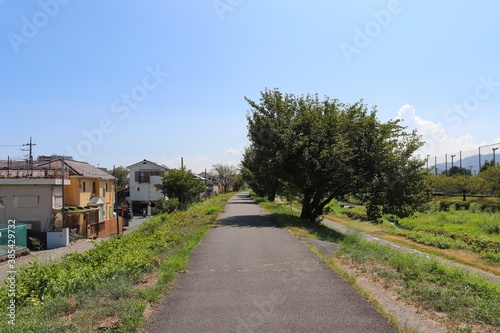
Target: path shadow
[248, 221]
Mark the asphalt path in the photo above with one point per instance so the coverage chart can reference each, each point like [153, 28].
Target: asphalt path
[249, 275]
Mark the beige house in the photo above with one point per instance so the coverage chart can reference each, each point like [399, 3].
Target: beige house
[35, 202]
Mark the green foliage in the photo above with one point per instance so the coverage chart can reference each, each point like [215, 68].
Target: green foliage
[182, 185]
[444, 206]
[490, 180]
[163, 206]
[486, 165]
[120, 173]
[319, 150]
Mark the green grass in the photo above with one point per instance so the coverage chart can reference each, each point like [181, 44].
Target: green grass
[100, 290]
[468, 302]
[475, 229]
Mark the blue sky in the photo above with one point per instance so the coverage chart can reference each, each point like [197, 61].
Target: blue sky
[114, 82]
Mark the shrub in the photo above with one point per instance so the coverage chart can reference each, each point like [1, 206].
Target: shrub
[163, 206]
[444, 206]
[461, 205]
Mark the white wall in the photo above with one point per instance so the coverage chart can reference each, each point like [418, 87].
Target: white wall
[42, 214]
[57, 239]
[147, 191]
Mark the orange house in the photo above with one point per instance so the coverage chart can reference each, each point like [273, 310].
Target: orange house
[89, 200]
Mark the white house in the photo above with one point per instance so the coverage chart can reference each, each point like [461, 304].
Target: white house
[144, 176]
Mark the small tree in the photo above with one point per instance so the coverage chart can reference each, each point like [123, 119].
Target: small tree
[182, 185]
[226, 175]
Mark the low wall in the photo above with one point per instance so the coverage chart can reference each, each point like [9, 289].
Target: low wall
[106, 228]
[57, 239]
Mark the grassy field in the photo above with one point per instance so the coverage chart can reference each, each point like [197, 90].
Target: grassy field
[110, 287]
[458, 300]
[467, 231]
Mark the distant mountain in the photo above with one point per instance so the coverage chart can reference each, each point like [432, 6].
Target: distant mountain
[467, 162]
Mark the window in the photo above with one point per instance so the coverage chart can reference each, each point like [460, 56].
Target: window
[93, 187]
[27, 201]
[2, 201]
[142, 176]
[106, 187]
[110, 212]
[84, 187]
[104, 193]
[138, 189]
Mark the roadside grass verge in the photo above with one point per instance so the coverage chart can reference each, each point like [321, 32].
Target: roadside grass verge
[460, 300]
[108, 288]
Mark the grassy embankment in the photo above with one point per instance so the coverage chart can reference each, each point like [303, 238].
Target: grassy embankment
[460, 301]
[108, 288]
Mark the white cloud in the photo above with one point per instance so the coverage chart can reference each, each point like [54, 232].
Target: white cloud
[232, 151]
[437, 139]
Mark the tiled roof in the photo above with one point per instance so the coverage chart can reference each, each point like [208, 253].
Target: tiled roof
[86, 170]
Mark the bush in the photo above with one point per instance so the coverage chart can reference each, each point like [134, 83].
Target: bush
[163, 206]
[444, 206]
[461, 205]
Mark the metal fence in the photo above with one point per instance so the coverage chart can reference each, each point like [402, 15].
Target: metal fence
[13, 239]
[471, 160]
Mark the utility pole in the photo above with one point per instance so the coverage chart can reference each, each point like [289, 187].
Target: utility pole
[30, 144]
[116, 203]
[62, 190]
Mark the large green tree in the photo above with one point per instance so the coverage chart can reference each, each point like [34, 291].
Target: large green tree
[324, 149]
[490, 180]
[182, 185]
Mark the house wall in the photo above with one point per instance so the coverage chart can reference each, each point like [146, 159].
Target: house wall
[81, 191]
[145, 191]
[39, 200]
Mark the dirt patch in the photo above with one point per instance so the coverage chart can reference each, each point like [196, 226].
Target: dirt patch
[150, 279]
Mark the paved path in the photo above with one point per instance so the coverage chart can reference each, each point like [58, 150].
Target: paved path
[248, 275]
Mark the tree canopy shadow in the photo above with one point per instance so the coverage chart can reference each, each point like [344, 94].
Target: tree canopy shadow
[248, 221]
[317, 230]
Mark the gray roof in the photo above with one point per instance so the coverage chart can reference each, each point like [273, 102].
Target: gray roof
[84, 169]
[148, 162]
[78, 169]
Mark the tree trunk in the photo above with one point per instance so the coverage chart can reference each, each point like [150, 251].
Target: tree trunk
[463, 193]
[311, 208]
[306, 212]
[271, 196]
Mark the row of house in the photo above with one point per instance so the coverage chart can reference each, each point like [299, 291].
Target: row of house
[56, 196]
